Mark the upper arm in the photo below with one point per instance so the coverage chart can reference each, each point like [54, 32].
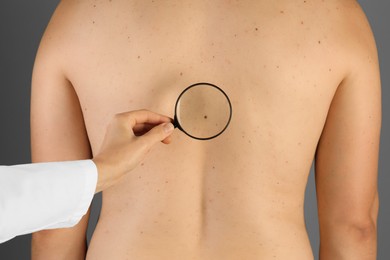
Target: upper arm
[57, 134]
[346, 160]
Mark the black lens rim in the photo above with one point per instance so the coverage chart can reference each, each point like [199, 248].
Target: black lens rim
[176, 122]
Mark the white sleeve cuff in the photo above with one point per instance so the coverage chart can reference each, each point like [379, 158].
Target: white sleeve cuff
[41, 196]
[88, 171]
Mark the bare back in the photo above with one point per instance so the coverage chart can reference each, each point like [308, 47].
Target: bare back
[241, 195]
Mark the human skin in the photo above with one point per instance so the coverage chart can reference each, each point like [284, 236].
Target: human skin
[128, 139]
[304, 84]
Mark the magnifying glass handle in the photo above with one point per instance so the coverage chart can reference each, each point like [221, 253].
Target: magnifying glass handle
[176, 123]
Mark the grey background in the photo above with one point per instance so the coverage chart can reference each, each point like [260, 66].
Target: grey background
[22, 23]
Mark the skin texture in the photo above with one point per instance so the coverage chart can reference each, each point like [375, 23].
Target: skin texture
[304, 83]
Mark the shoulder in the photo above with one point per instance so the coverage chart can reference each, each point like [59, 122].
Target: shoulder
[347, 26]
[346, 33]
[68, 34]
[67, 21]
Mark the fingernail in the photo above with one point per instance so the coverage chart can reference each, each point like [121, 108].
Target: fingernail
[168, 127]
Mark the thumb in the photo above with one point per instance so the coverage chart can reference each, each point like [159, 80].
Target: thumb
[159, 133]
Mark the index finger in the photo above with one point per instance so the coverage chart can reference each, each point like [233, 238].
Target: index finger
[144, 117]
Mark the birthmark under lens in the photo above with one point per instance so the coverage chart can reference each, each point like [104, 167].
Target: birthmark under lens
[203, 111]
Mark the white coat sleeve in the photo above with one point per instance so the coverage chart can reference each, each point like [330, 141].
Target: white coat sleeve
[41, 196]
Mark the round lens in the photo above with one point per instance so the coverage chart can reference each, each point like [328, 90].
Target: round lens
[203, 111]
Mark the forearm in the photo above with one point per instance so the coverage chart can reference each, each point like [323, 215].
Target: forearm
[346, 242]
[42, 250]
[60, 244]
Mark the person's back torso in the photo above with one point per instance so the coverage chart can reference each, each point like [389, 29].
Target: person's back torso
[241, 195]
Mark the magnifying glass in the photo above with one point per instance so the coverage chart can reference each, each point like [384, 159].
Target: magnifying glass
[203, 111]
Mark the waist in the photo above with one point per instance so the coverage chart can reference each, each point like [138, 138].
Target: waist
[182, 239]
[220, 231]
